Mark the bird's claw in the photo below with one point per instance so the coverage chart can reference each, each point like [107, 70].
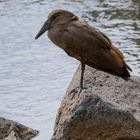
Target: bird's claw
[77, 90]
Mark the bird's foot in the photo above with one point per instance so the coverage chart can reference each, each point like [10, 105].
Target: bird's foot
[77, 90]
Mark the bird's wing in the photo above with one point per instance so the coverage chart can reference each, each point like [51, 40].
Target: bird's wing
[106, 37]
[118, 51]
[93, 46]
[81, 32]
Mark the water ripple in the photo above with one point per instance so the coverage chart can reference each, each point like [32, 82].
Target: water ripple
[35, 74]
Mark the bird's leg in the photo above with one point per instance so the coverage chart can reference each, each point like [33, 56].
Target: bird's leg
[81, 87]
[82, 76]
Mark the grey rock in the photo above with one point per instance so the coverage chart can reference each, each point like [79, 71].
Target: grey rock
[109, 109]
[11, 130]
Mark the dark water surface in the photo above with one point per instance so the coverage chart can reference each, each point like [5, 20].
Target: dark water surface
[34, 75]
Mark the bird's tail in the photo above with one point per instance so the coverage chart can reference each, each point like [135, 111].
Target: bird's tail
[126, 75]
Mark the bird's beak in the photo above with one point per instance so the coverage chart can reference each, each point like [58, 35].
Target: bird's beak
[44, 28]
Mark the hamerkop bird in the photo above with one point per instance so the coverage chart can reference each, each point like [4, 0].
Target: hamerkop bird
[85, 43]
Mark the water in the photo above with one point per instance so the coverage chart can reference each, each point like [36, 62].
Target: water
[35, 74]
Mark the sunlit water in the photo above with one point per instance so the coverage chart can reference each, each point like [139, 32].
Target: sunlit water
[34, 75]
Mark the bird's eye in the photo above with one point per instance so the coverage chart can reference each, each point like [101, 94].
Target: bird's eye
[54, 17]
[75, 18]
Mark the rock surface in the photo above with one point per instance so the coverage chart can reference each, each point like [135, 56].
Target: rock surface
[109, 109]
[11, 130]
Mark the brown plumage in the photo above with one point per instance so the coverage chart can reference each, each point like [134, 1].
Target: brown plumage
[85, 43]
